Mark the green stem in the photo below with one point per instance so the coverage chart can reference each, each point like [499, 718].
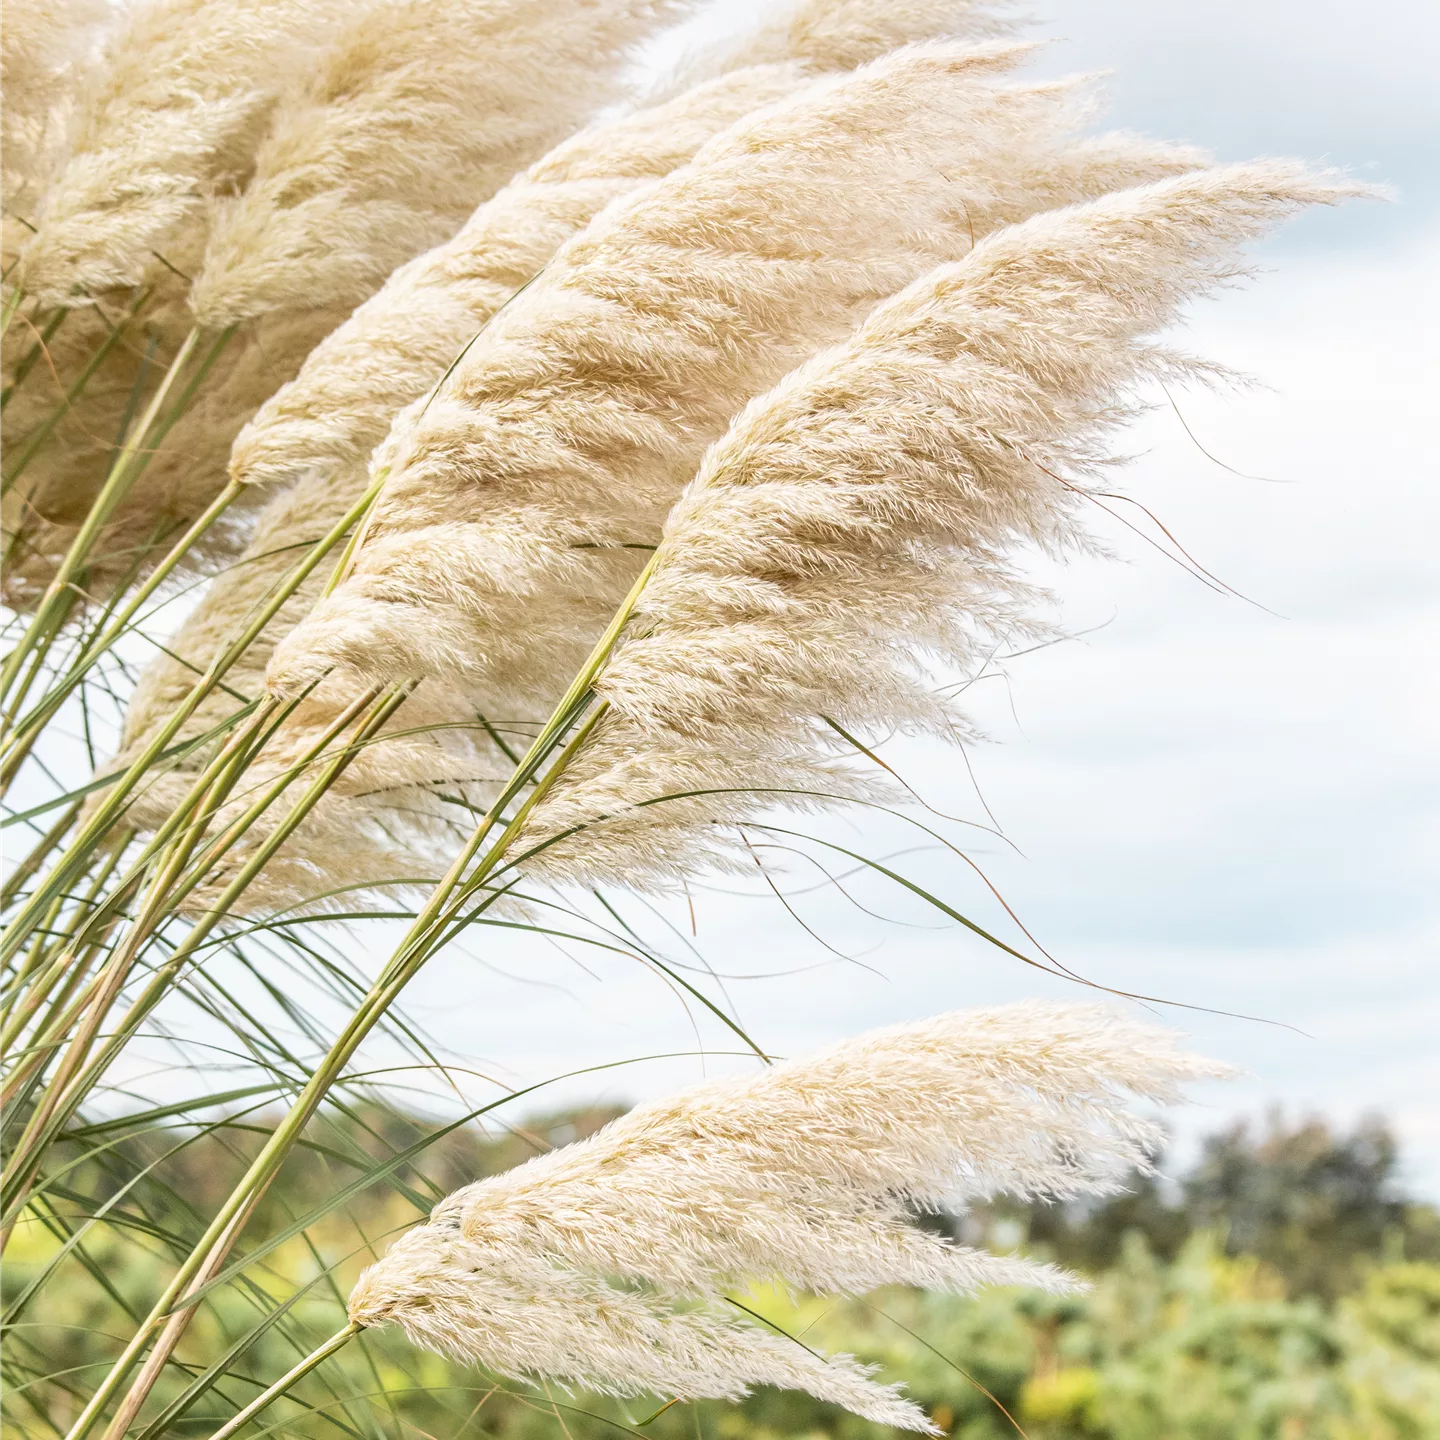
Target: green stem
[318, 1356]
[62, 1106]
[119, 794]
[427, 933]
[166, 853]
[39, 853]
[22, 1001]
[117, 485]
[35, 720]
[224, 1229]
[42, 432]
[11, 308]
[60, 612]
[32, 356]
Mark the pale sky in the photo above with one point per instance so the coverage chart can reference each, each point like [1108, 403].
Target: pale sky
[1215, 803]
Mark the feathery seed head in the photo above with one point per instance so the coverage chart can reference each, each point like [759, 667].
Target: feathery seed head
[322, 425]
[841, 34]
[522, 497]
[46, 50]
[389, 352]
[855, 527]
[421, 109]
[806, 1174]
[172, 117]
[344, 187]
[557, 444]
[398, 343]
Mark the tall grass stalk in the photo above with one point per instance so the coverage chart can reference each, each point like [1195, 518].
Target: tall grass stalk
[435, 924]
[174, 864]
[56, 950]
[318, 1356]
[123, 473]
[21, 733]
[27, 363]
[10, 307]
[36, 441]
[45, 846]
[175, 877]
[76, 855]
[171, 869]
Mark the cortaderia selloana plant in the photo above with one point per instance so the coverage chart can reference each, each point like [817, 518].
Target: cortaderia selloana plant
[460, 486]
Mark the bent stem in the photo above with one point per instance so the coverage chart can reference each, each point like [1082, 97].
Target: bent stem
[39, 853]
[32, 356]
[13, 301]
[123, 473]
[77, 387]
[29, 725]
[265, 1398]
[29, 991]
[70, 1088]
[430, 930]
[75, 857]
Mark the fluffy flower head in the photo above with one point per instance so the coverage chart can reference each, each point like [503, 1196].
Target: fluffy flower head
[585, 1265]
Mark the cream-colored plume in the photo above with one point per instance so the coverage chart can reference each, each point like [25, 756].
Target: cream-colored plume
[323, 425]
[522, 497]
[399, 342]
[586, 1265]
[415, 113]
[584, 408]
[46, 50]
[392, 349]
[172, 117]
[423, 108]
[853, 532]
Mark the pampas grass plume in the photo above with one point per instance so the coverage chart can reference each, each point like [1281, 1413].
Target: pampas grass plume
[521, 497]
[415, 112]
[46, 50]
[396, 345]
[422, 108]
[171, 117]
[398, 342]
[855, 527]
[841, 34]
[322, 425]
[616, 288]
[585, 1265]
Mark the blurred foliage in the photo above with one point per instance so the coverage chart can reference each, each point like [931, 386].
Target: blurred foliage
[1314, 1205]
[1282, 1289]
